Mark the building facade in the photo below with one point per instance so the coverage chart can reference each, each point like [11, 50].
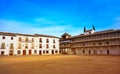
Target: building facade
[91, 42]
[25, 44]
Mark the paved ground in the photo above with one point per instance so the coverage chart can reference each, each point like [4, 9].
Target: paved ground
[60, 64]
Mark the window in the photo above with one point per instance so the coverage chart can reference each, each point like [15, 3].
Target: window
[35, 51]
[11, 46]
[100, 43]
[94, 44]
[56, 51]
[11, 38]
[40, 40]
[3, 37]
[3, 46]
[18, 52]
[83, 44]
[26, 47]
[47, 51]
[89, 32]
[26, 39]
[19, 45]
[43, 52]
[53, 40]
[47, 40]
[32, 46]
[32, 39]
[107, 42]
[40, 46]
[20, 39]
[53, 46]
[47, 46]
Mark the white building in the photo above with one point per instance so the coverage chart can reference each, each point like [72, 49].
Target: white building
[24, 44]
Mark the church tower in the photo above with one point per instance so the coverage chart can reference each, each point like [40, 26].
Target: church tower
[84, 28]
[65, 36]
[90, 31]
[93, 28]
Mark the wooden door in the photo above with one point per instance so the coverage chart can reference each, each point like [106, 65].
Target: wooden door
[2, 52]
[30, 52]
[52, 51]
[11, 52]
[24, 52]
[40, 52]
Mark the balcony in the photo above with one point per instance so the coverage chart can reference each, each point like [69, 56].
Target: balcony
[23, 40]
[77, 41]
[103, 45]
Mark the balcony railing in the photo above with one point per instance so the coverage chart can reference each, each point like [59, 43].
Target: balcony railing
[29, 41]
[94, 40]
[96, 45]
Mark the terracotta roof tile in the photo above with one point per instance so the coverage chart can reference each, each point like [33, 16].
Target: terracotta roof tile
[25, 34]
[42, 35]
[35, 35]
[66, 34]
[7, 34]
[96, 33]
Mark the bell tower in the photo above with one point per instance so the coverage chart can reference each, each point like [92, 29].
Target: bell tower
[66, 35]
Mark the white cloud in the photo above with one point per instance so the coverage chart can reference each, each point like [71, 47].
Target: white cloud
[23, 27]
[27, 28]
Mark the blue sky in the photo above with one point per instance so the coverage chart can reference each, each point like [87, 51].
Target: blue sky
[54, 17]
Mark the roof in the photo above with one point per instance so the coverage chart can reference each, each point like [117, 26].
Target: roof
[35, 35]
[42, 35]
[96, 33]
[7, 34]
[66, 34]
[110, 30]
[25, 34]
[88, 30]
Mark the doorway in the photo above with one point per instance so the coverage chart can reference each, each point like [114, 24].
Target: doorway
[30, 52]
[11, 52]
[40, 52]
[52, 51]
[2, 52]
[24, 52]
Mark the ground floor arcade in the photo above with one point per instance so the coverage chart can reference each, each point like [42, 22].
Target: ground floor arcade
[93, 50]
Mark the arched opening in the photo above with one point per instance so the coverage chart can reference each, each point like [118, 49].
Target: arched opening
[108, 52]
[89, 52]
[83, 51]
